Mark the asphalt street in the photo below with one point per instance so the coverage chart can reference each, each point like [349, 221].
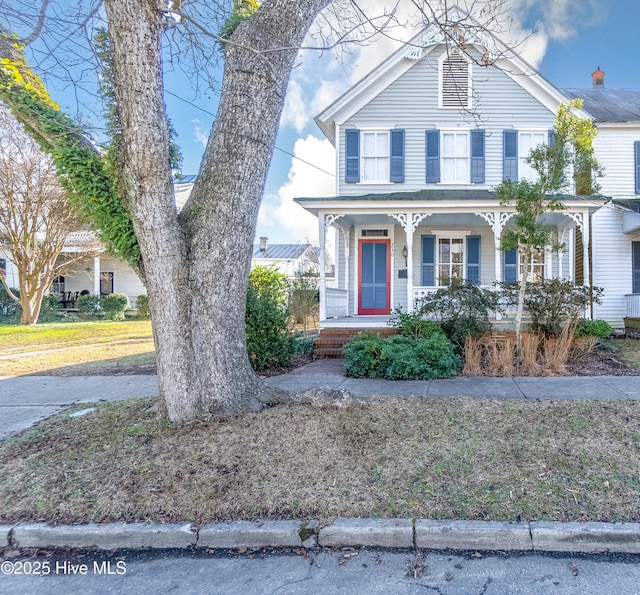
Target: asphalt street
[342, 571]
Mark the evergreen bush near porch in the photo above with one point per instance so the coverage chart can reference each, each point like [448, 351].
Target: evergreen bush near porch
[269, 342]
[368, 355]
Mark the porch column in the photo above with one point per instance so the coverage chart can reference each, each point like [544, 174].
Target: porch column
[96, 275]
[323, 276]
[409, 222]
[344, 233]
[586, 232]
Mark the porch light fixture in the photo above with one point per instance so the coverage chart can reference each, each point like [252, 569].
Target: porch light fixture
[405, 253]
[87, 270]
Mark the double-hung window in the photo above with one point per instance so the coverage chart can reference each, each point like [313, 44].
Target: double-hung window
[374, 156]
[450, 258]
[455, 156]
[517, 145]
[515, 267]
[526, 142]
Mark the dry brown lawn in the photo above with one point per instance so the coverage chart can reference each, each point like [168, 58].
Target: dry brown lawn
[435, 458]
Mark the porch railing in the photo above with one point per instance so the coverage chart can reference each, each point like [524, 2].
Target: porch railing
[336, 302]
[507, 312]
[633, 305]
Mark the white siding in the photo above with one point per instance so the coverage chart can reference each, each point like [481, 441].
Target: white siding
[11, 272]
[611, 262]
[411, 103]
[125, 279]
[614, 148]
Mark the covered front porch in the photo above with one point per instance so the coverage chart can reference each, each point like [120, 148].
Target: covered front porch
[394, 249]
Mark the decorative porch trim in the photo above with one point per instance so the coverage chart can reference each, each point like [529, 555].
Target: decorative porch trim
[578, 218]
[410, 221]
[329, 220]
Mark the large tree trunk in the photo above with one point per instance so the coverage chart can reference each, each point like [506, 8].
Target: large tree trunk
[197, 265]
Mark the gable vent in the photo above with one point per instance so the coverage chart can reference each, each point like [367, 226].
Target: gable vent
[455, 81]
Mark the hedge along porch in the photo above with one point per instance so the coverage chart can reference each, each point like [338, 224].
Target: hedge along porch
[391, 249]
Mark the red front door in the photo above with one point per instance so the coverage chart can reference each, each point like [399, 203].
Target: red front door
[374, 279]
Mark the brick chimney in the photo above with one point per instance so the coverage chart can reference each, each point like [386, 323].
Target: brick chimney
[598, 79]
[264, 240]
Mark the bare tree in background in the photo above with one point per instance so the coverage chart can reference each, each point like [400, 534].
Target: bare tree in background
[196, 263]
[36, 218]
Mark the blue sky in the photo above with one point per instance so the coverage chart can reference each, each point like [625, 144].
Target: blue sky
[572, 38]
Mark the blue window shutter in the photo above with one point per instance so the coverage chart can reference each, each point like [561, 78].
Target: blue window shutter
[551, 137]
[473, 259]
[477, 156]
[637, 163]
[511, 266]
[352, 155]
[432, 147]
[397, 156]
[510, 154]
[428, 261]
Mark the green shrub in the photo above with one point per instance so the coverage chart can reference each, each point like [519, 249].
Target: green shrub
[303, 298]
[554, 303]
[400, 358]
[115, 305]
[593, 328]
[269, 281]
[49, 309]
[10, 310]
[412, 324]
[142, 305]
[88, 304]
[462, 309]
[269, 343]
[304, 345]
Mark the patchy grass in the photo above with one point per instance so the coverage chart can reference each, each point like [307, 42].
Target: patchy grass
[454, 458]
[16, 339]
[630, 351]
[76, 349]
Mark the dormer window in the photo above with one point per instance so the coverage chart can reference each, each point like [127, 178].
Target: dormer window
[455, 81]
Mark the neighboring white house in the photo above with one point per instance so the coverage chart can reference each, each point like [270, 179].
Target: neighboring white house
[290, 259]
[421, 143]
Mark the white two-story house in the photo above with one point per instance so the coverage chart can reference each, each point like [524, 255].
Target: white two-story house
[422, 142]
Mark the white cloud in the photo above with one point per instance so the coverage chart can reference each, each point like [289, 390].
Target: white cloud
[199, 135]
[280, 211]
[295, 112]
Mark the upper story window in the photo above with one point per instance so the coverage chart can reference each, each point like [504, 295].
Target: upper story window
[455, 81]
[374, 156]
[516, 147]
[526, 142]
[455, 156]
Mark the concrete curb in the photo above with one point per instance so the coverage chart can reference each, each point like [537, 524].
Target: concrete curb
[356, 532]
[255, 535]
[104, 537]
[368, 532]
[586, 537]
[5, 535]
[473, 535]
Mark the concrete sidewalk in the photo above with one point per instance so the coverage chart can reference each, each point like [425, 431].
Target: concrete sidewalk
[24, 400]
[329, 372]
